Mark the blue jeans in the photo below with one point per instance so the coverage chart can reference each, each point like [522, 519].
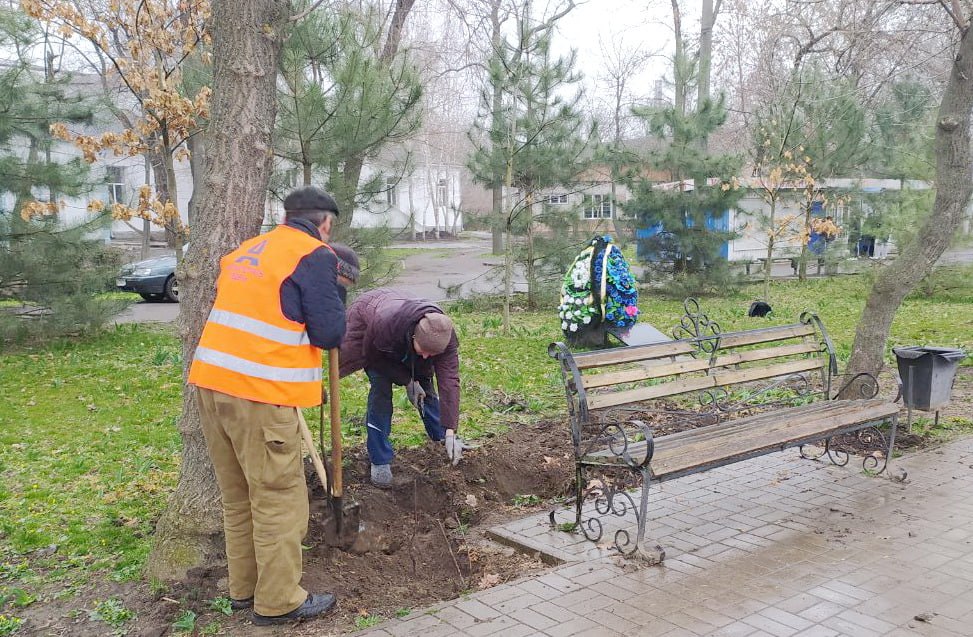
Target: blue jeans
[378, 416]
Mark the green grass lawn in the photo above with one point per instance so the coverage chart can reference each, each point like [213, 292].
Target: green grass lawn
[89, 446]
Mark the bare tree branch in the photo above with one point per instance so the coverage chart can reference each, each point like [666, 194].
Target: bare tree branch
[303, 14]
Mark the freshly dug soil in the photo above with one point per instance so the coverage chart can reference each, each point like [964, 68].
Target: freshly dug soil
[421, 542]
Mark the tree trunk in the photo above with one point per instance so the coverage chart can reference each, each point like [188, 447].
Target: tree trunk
[345, 190]
[496, 220]
[953, 188]
[705, 59]
[508, 278]
[679, 98]
[620, 236]
[770, 250]
[197, 163]
[412, 211]
[531, 270]
[247, 36]
[163, 188]
[802, 260]
[146, 224]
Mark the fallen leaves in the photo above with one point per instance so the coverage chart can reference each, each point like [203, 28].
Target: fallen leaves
[489, 580]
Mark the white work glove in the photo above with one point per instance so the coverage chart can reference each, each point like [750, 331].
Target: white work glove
[417, 396]
[455, 446]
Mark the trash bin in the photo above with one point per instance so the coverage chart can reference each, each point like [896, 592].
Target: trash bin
[927, 375]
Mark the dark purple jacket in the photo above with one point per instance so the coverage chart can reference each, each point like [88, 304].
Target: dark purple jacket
[379, 337]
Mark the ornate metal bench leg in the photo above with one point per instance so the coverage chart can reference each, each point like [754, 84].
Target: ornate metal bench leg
[579, 483]
[656, 554]
[900, 474]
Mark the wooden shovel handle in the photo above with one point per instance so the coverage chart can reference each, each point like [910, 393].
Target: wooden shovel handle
[335, 404]
[315, 458]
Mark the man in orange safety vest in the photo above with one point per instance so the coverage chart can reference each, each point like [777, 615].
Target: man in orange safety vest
[259, 360]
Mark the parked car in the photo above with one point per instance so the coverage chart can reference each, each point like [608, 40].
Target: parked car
[153, 279]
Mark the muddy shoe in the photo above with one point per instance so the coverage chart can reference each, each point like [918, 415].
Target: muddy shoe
[382, 476]
[313, 606]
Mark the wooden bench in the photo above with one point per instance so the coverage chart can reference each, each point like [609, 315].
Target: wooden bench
[725, 397]
[794, 262]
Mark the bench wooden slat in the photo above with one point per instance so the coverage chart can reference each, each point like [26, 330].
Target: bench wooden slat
[724, 378]
[645, 373]
[661, 371]
[723, 443]
[647, 393]
[773, 433]
[720, 379]
[822, 409]
[587, 360]
[766, 354]
[766, 335]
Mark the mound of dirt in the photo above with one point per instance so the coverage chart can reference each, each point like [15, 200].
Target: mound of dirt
[420, 543]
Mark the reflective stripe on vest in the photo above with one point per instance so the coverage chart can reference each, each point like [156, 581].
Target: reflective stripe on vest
[258, 328]
[248, 347]
[249, 368]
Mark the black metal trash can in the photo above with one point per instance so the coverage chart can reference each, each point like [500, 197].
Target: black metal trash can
[927, 375]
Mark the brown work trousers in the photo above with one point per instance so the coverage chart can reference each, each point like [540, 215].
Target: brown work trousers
[256, 452]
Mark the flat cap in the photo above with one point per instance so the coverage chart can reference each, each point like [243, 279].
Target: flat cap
[433, 333]
[310, 198]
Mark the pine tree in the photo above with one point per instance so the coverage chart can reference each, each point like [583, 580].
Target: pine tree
[340, 101]
[537, 139]
[688, 214]
[53, 271]
[901, 140]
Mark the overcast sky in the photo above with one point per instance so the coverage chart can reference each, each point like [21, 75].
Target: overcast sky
[597, 25]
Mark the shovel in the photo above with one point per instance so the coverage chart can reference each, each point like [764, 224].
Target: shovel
[347, 517]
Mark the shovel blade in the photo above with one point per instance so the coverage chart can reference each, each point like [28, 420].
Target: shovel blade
[343, 524]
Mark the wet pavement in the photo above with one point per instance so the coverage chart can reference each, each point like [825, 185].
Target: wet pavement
[452, 268]
[778, 546]
[437, 270]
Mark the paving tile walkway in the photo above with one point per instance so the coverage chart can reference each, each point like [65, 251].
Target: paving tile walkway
[773, 546]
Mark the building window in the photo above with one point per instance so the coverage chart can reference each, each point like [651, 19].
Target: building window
[442, 193]
[598, 207]
[391, 195]
[555, 199]
[115, 176]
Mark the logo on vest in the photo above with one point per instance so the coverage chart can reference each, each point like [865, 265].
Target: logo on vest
[248, 264]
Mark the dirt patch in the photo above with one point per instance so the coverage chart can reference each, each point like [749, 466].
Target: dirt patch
[421, 542]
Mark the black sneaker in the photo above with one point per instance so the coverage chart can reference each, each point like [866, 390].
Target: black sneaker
[241, 604]
[313, 606]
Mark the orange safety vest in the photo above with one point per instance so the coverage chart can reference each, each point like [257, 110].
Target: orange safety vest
[248, 348]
